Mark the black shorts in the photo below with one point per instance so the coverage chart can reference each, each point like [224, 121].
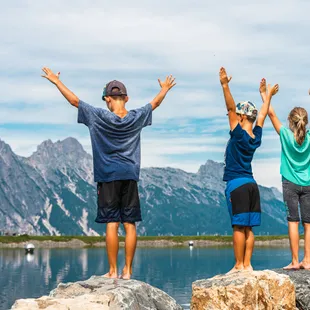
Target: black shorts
[118, 201]
[243, 202]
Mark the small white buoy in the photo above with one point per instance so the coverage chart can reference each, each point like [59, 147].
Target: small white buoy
[191, 243]
[29, 257]
[29, 248]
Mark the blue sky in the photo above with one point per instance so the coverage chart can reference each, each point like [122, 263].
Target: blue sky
[91, 43]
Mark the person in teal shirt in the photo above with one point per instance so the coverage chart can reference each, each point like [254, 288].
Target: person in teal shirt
[295, 171]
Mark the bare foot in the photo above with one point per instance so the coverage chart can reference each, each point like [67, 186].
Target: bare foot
[248, 268]
[109, 275]
[126, 274]
[234, 270]
[303, 265]
[292, 266]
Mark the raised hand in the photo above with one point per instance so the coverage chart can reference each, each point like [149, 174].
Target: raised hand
[262, 86]
[49, 75]
[168, 83]
[272, 90]
[224, 79]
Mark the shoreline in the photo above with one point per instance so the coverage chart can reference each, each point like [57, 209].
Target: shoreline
[143, 242]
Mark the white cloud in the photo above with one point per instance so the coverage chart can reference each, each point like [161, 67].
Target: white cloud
[267, 172]
[91, 43]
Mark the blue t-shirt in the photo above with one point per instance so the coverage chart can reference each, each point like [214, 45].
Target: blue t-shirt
[115, 141]
[239, 153]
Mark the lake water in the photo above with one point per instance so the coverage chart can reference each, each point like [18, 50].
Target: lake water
[172, 270]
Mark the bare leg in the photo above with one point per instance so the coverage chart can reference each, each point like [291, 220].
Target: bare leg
[112, 248]
[130, 248]
[306, 261]
[294, 244]
[249, 246]
[239, 248]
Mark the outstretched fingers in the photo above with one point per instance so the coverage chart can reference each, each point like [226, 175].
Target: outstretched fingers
[262, 85]
[274, 89]
[47, 72]
[222, 72]
[171, 81]
[49, 75]
[168, 83]
[223, 76]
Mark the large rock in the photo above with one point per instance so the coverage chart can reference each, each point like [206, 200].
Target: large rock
[258, 290]
[101, 293]
[301, 279]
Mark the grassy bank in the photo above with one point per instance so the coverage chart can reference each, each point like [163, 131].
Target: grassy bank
[92, 240]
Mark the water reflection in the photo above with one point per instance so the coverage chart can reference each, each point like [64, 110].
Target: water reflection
[29, 257]
[172, 270]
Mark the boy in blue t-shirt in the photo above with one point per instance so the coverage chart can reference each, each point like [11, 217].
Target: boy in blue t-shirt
[115, 139]
[242, 195]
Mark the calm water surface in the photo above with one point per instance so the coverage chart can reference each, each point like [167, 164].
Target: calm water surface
[172, 270]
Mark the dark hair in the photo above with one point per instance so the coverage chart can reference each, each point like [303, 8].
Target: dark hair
[298, 120]
[251, 118]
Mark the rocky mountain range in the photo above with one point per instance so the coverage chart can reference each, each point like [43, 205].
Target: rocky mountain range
[52, 192]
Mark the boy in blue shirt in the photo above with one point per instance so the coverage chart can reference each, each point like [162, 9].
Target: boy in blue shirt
[115, 139]
[242, 195]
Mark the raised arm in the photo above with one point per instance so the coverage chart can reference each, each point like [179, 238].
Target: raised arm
[271, 113]
[67, 93]
[229, 100]
[262, 89]
[274, 119]
[265, 107]
[165, 87]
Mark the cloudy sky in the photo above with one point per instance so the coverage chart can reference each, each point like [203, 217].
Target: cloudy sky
[93, 42]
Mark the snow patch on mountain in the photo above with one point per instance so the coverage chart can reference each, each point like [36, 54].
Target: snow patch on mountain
[52, 230]
[61, 204]
[83, 222]
[48, 208]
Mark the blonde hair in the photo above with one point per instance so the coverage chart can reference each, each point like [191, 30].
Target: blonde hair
[298, 120]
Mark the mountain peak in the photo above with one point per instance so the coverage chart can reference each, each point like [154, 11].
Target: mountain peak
[71, 144]
[211, 166]
[45, 144]
[5, 148]
[60, 148]
[64, 155]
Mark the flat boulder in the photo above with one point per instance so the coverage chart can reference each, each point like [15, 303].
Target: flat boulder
[301, 279]
[102, 293]
[257, 290]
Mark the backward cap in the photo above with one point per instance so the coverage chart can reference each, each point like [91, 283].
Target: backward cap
[114, 88]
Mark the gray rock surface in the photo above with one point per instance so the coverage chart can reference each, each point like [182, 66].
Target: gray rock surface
[101, 293]
[301, 280]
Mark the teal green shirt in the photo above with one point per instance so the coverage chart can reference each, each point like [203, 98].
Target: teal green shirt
[295, 158]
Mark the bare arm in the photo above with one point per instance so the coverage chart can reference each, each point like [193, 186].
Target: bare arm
[265, 107]
[271, 113]
[165, 87]
[274, 119]
[67, 93]
[263, 90]
[229, 100]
